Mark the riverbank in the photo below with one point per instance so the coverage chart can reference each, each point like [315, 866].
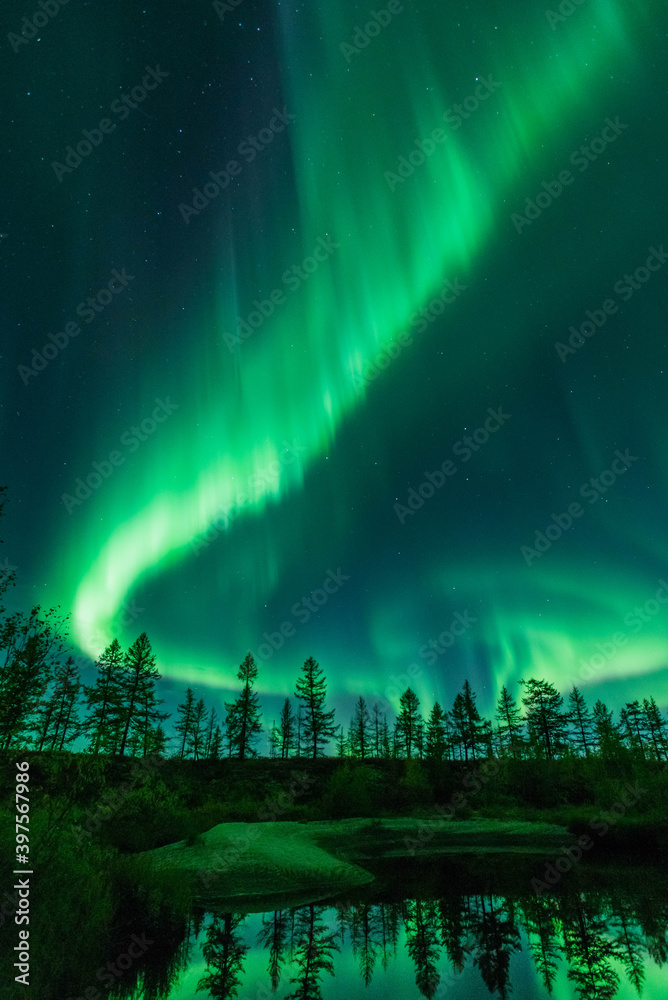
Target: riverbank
[250, 863]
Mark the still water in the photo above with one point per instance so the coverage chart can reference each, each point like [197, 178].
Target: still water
[464, 928]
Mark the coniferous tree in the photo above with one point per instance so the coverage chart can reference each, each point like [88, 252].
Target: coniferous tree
[274, 739]
[406, 727]
[287, 729]
[545, 719]
[581, 722]
[385, 742]
[299, 739]
[197, 734]
[138, 687]
[435, 743]
[635, 727]
[656, 727]
[318, 724]
[606, 732]
[30, 648]
[148, 716]
[216, 744]
[342, 743]
[243, 716]
[60, 710]
[183, 724]
[510, 726]
[360, 731]
[103, 701]
[158, 742]
[376, 729]
[210, 729]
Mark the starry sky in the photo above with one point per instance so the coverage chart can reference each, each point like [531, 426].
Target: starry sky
[339, 334]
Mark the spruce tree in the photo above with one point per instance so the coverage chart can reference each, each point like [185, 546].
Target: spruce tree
[210, 729]
[318, 725]
[657, 728]
[184, 723]
[274, 738]
[581, 722]
[435, 743]
[406, 728]
[545, 718]
[510, 726]
[103, 701]
[360, 731]
[342, 743]
[635, 727]
[197, 734]
[287, 729]
[216, 744]
[138, 684]
[61, 708]
[606, 732]
[243, 715]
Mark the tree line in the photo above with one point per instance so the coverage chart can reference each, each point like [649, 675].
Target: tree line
[45, 706]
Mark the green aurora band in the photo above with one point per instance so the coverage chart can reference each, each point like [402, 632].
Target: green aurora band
[297, 377]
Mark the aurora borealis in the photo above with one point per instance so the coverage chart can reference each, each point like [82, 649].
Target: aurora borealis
[273, 428]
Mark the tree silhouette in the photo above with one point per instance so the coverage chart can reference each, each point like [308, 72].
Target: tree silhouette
[318, 725]
[243, 716]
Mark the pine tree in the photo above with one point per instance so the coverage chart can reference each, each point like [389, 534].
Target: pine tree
[581, 722]
[319, 725]
[243, 716]
[385, 743]
[103, 701]
[138, 682]
[407, 722]
[436, 747]
[510, 726]
[287, 729]
[360, 731]
[474, 728]
[545, 719]
[183, 725]
[299, 740]
[158, 742]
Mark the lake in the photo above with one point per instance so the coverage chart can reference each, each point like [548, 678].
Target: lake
[463, 926]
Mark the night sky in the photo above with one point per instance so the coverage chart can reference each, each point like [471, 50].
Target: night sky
[235, 411]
